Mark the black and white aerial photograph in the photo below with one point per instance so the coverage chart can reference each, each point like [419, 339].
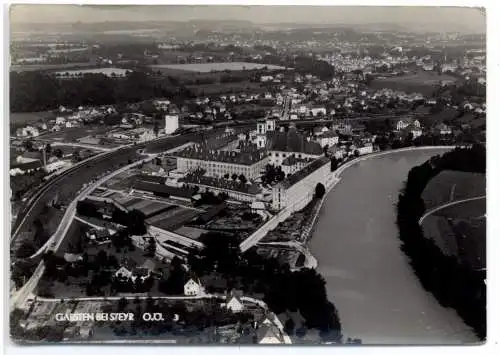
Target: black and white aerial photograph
[246, 175]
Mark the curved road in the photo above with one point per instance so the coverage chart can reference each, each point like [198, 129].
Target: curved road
[435, 209]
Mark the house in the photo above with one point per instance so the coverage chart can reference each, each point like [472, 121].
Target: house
[327, 139]
[28, 131]
[123, 273]
[28, 157]
[192, 288]
[234, 304]
[72, 258]
[365, 149]
[318, 111]
[268, 333]
[320, 130]
[99, 236]
[416, 131]
[20, 169]
[257, 206]
[404, 123]
[443, 129]
[128, 272]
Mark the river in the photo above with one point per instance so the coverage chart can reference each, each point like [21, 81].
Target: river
[356, 243]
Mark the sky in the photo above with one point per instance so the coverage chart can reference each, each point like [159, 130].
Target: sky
[449, 18]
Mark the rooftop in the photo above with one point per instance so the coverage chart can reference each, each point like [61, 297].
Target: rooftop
[248, 157]
[299, 175]
[293, 141]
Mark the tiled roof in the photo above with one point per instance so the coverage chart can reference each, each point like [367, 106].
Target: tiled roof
[248, 157]
[27, 166]
[292, 141]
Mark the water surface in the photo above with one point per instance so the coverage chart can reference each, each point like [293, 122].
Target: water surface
[356, 242]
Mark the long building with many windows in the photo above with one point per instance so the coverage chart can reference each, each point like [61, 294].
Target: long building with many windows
[217, 163]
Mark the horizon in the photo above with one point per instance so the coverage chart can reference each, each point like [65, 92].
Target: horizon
[438, 18]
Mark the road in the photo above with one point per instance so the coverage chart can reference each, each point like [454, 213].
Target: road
[435, 209]
[56, 239]
[81, 145]
[49, 189]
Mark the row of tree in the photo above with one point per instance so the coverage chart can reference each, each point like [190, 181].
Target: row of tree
[38, 91]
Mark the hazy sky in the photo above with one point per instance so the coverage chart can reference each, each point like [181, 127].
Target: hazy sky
[448, 17]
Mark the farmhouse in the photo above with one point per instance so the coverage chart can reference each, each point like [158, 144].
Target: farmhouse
[192, 288]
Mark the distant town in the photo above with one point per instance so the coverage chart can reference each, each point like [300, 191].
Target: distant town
[183, 177]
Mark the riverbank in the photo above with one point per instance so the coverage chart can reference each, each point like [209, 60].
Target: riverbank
[309, 223]
[455, 278]
[338, 172]
[355, 241]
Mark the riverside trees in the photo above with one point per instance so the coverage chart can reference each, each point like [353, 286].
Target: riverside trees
[283, 289]
[452, 283]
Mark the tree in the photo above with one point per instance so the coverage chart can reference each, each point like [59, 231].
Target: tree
[242, 178]
[333, 164]
[234, 177]
[75, 157]
[151, 248]
[226, 176]
[28, 145]
[356, 153]
[320, 190]
[156, 128]
[122, 303]
[58, 153]
[48, 149]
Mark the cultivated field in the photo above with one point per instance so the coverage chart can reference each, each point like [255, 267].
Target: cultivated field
[209, 67]
[423, 82]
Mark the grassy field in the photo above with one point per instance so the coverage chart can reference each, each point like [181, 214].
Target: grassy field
[226, 88]
[33, 67]
[74, 133]
[209, 67]
[422, 82]
[450, 186]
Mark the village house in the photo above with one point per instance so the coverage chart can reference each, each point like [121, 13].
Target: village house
[130, 273]
[234, 304]
[443, 129]
[28, 131]
[404, 123]
[192, 288]
[317, 111]
[25, 168]
[99, 236]
[327, 139]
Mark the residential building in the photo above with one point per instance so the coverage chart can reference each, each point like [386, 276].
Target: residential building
[284, 144]
[327, 139]
[192, 288]
[292, 164]
[171, 123]
[405, 122]
[234, 304]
